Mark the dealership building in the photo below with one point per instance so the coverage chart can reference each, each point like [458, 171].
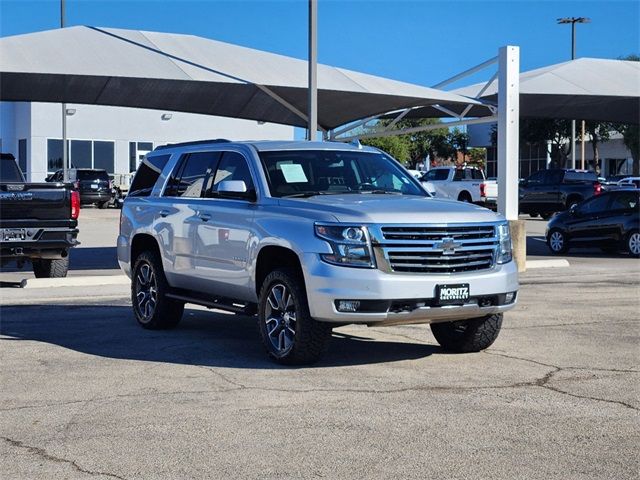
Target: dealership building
[111, 138]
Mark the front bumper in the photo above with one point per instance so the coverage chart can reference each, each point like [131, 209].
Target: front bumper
[327, 283]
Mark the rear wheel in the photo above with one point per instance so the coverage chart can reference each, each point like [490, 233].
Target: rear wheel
[50, 268]
[149, 288]
[102, 205]
[289, 333]
[633, 243]
[464, 197]
[546, 215]
[470, 335]
[557, 242]
[533, 215]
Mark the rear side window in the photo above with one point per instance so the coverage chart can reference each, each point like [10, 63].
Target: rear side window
[437, 174]
[147, 175]
[189, 177]
[596, 204]
[458, 175]
[625, 201]
[233, 166]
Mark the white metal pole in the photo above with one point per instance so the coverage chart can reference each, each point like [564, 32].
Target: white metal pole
[313, 70]
[508, 130]
[65, 153]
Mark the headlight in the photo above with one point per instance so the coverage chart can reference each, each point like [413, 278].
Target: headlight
[350, 244]
[504, 244]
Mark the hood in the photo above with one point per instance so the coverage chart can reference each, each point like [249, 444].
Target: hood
[390, 209]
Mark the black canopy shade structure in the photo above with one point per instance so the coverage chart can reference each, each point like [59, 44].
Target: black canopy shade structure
[584, 89]
[104, 66]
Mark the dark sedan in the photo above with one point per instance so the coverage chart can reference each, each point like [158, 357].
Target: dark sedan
[608, 221]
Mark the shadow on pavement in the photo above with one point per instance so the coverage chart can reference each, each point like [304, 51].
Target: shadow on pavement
[81, 258]
[537, 247]
[202, 338]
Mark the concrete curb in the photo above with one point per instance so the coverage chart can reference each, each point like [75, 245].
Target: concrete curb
[79, 281]
[559, 263]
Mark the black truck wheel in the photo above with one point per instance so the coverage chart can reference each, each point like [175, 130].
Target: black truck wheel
[288, 332]
[149, 288]
[50, 268]
[468, 335]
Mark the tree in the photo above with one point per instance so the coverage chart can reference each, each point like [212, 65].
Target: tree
[631, 139]
[396, 146]
[599, 132]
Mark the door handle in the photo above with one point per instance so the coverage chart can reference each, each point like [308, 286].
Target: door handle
[164, 213]
[205, 217]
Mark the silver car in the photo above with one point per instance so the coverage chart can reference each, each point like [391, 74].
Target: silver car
[308, 236]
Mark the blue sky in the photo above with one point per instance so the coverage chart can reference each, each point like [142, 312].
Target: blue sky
[416, 41]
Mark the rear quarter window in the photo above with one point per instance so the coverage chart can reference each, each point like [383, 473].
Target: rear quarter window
[572, 176]
[147, 175]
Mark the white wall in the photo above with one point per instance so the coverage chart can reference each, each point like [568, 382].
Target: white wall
[41, 121]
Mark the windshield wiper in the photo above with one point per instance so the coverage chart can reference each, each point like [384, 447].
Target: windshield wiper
[381, 192]
[304, 194]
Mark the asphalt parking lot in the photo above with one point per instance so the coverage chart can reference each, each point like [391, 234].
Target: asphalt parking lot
[88, 394]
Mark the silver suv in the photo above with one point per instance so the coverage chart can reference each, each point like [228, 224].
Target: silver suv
[310, 236]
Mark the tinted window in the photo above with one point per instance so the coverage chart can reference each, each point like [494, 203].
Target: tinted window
[81, 153]
[22, 154]
[9, 171]
[596, 204]
[437, 174]
[147, 175]
[92, 175]
[458, 175]
[233, 166]
[625, 201]
[537, 178]
[574, 176]
[474, 174]
[190, 175]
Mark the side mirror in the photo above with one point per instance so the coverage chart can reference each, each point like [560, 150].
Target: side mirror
[573, 209]
[48, 178]
[523, 182]
[235, 189]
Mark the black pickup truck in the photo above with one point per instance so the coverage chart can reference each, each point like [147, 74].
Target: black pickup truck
[555, 190]
[38, 221]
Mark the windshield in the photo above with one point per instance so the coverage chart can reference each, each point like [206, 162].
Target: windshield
[92, 175]
[324, 172]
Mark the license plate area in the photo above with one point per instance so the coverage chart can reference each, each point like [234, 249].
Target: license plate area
[14, 234]
[94, 186]
[453, 294]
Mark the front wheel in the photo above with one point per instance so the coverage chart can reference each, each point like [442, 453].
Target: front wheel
[289, 333]
[557, 242]
[468, 335]
[633, 243]
[50, 268]
[149, 288]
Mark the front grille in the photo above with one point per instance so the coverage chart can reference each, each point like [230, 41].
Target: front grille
[436, 249]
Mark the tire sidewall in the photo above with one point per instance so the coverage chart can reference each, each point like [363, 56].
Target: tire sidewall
[628, 243]
[564, 247]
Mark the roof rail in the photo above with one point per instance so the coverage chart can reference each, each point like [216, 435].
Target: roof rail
[195, 142]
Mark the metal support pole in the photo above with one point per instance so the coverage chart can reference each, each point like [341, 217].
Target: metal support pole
[508, 130]
[582, 146]
[573, 122]
[65, 153]
[313, 70]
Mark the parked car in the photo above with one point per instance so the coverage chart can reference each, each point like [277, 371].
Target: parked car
[608, 221]
[38, 221]
[93, 185]
[415, 173]
[633, 182]
[120, 183]
[466, 184]
[309, 236]
[549, 191]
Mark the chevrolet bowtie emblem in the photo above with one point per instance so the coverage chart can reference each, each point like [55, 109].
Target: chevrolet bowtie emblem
[448, 246]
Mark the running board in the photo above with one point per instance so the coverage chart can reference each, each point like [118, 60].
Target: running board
[219, 303]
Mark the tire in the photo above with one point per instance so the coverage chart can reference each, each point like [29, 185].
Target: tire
[546, 215]
[632, 243]
[103, 205]
[466, 336]
[50, 268]
[149, 288]
[557, 242]
[464, 197]
[289, 334]
[533, 215]
[571, 201]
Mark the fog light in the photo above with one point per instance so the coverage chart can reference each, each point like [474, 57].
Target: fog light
[348, 305]
[509, 297]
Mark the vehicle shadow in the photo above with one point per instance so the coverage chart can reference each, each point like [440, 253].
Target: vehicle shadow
[202, 338]
[80, 258]
[537, 247]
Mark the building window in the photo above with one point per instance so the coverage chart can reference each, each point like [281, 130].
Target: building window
[22, 155]
[80, 154]
[137, 151]
[54, 154]
[103, 156]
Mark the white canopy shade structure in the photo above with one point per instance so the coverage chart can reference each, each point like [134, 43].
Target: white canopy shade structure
[584, 89]
[103, 66]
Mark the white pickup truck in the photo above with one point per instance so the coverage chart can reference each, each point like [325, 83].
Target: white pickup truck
[466, 184]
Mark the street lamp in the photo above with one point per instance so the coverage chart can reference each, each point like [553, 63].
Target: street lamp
[573, 21]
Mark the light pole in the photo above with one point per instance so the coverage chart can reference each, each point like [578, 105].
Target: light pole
[573, 21]
[312, 125]
[65, 153]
